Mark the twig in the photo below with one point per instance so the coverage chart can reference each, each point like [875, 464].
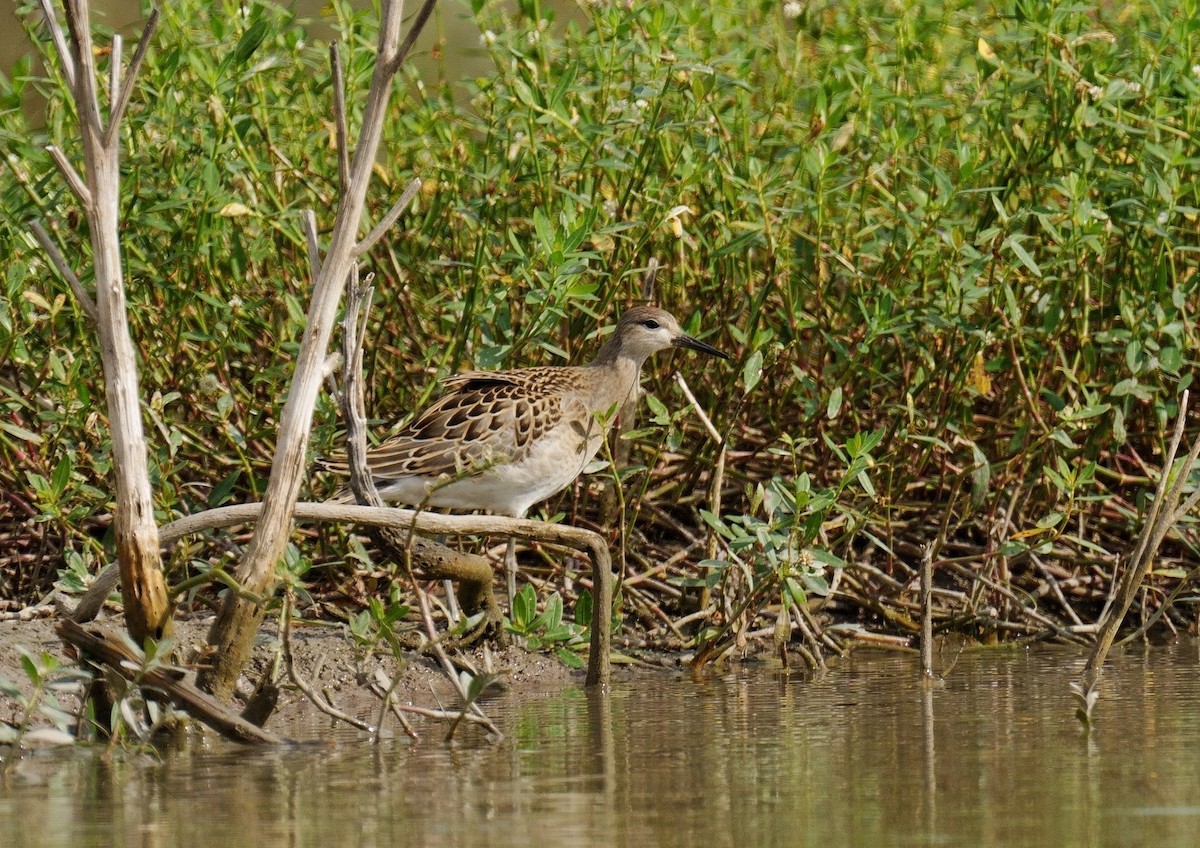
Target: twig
[119, 105]
[339, 117]
[385, 687]
[695, 405]
[60, 262]
[389, 219]
[414, 30]
[314, 697]
[74, 181]
[60, 43]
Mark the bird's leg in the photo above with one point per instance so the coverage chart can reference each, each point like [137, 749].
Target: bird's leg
[510, 571]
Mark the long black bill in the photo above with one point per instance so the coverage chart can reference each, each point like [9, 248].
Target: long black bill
[697, 345]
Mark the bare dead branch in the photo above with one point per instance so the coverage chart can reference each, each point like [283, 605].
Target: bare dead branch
[114, 69]
[339, 116]
[418, 24]
[1160, 517]
[427, 522]
[121, 102]
[60, 263]
[87, 100]
[113, 652]
[233, 632]
[389, 219]
[74, 181]
[147, 610]
[60, 43]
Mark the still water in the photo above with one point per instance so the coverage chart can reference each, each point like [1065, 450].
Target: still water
[862, 756]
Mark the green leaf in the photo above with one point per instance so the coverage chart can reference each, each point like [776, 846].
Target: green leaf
[835, 403]
[220, 492]
[524, 607]
[21, 433]
[30, 666]
[569, 658]
[1013, 243]
[61, 476]
[1124, 387]
[250, 41]
[981, 476]
[661, 415]
[551, 616]
[583, 609]
[752, 371]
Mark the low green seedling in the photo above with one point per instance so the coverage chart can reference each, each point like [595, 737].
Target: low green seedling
[546, 630]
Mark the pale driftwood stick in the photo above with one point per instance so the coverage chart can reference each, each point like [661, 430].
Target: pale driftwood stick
[147, 612]
[60, 263]
[339, 117]
[424, 522]
[60, 43]
[238, 621]
[74, 181]
[106, 648]
[927, 612]
[447, 715]
[389, 219]
[1160, 518]
[695, 405]
[120, 102]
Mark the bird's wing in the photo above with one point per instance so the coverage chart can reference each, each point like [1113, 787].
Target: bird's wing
[485, 418]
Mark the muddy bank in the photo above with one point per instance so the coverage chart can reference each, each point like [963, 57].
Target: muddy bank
[324, 658]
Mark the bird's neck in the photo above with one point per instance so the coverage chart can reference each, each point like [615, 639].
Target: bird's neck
[609, 352]
[621, 378]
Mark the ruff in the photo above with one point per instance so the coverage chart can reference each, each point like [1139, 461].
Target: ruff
[502, 441]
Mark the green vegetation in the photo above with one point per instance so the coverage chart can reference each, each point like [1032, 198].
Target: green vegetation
[952, 245]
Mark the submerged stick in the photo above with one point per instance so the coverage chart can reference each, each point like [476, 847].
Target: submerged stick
[1163, 513]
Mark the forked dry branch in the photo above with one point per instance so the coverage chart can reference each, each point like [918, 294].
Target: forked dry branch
[97, 190]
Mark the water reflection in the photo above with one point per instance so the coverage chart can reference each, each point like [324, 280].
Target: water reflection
[863, 756]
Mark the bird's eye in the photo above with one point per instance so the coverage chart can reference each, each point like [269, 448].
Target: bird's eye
[650, 324]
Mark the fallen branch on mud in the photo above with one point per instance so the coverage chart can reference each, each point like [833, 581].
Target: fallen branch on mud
[407, 520]
[101, 646]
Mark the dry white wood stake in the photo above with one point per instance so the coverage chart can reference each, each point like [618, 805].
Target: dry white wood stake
[144, 590]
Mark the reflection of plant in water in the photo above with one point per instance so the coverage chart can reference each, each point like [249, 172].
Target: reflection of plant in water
[134, 718]
[50, 679]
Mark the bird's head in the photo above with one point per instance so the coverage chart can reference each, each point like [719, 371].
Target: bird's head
[644, 330]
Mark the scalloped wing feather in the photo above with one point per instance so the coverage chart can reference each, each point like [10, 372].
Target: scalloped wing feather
[484, 419]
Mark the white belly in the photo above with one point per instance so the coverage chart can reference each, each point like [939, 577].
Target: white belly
[552, 463]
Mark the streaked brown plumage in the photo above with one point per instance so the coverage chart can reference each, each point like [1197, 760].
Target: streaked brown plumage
[502, 441]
